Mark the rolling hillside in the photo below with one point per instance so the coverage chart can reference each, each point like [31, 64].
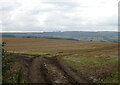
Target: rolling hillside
[102, 36]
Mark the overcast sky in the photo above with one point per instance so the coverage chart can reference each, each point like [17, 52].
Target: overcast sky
[59, 15]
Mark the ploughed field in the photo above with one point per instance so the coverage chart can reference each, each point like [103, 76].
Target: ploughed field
[60, 61]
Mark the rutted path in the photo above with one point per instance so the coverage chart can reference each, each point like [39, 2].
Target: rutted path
[36, 74]
[55, 73]
[41, 69]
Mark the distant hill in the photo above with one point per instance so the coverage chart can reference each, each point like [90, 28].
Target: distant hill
[102, 36]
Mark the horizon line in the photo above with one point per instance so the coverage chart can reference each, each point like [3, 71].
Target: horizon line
[52, 31]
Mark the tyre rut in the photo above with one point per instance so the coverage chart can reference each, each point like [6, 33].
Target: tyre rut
[41, 69]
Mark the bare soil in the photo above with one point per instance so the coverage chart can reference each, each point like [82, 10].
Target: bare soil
[41, 69]
[54, 46]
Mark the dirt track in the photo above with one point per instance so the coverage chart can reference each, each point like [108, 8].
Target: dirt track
[40, 69]
[45, 70]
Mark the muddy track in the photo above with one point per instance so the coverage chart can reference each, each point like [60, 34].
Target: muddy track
[36, 74]
[78, 79]
[56, 74]
[41, 69]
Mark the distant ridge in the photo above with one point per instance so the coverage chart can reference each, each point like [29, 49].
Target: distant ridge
[101, 36]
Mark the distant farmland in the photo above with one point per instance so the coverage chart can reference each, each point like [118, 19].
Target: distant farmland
[89, 61]
[52, 45]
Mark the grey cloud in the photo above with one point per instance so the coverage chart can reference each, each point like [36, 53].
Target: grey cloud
[63, 16]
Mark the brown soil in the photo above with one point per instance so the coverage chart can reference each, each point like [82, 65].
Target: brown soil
[40, 69]
[51, 45]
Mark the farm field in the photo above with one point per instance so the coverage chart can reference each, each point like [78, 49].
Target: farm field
[60, 61]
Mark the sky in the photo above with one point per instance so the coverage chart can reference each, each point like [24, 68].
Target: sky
[58, 15]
